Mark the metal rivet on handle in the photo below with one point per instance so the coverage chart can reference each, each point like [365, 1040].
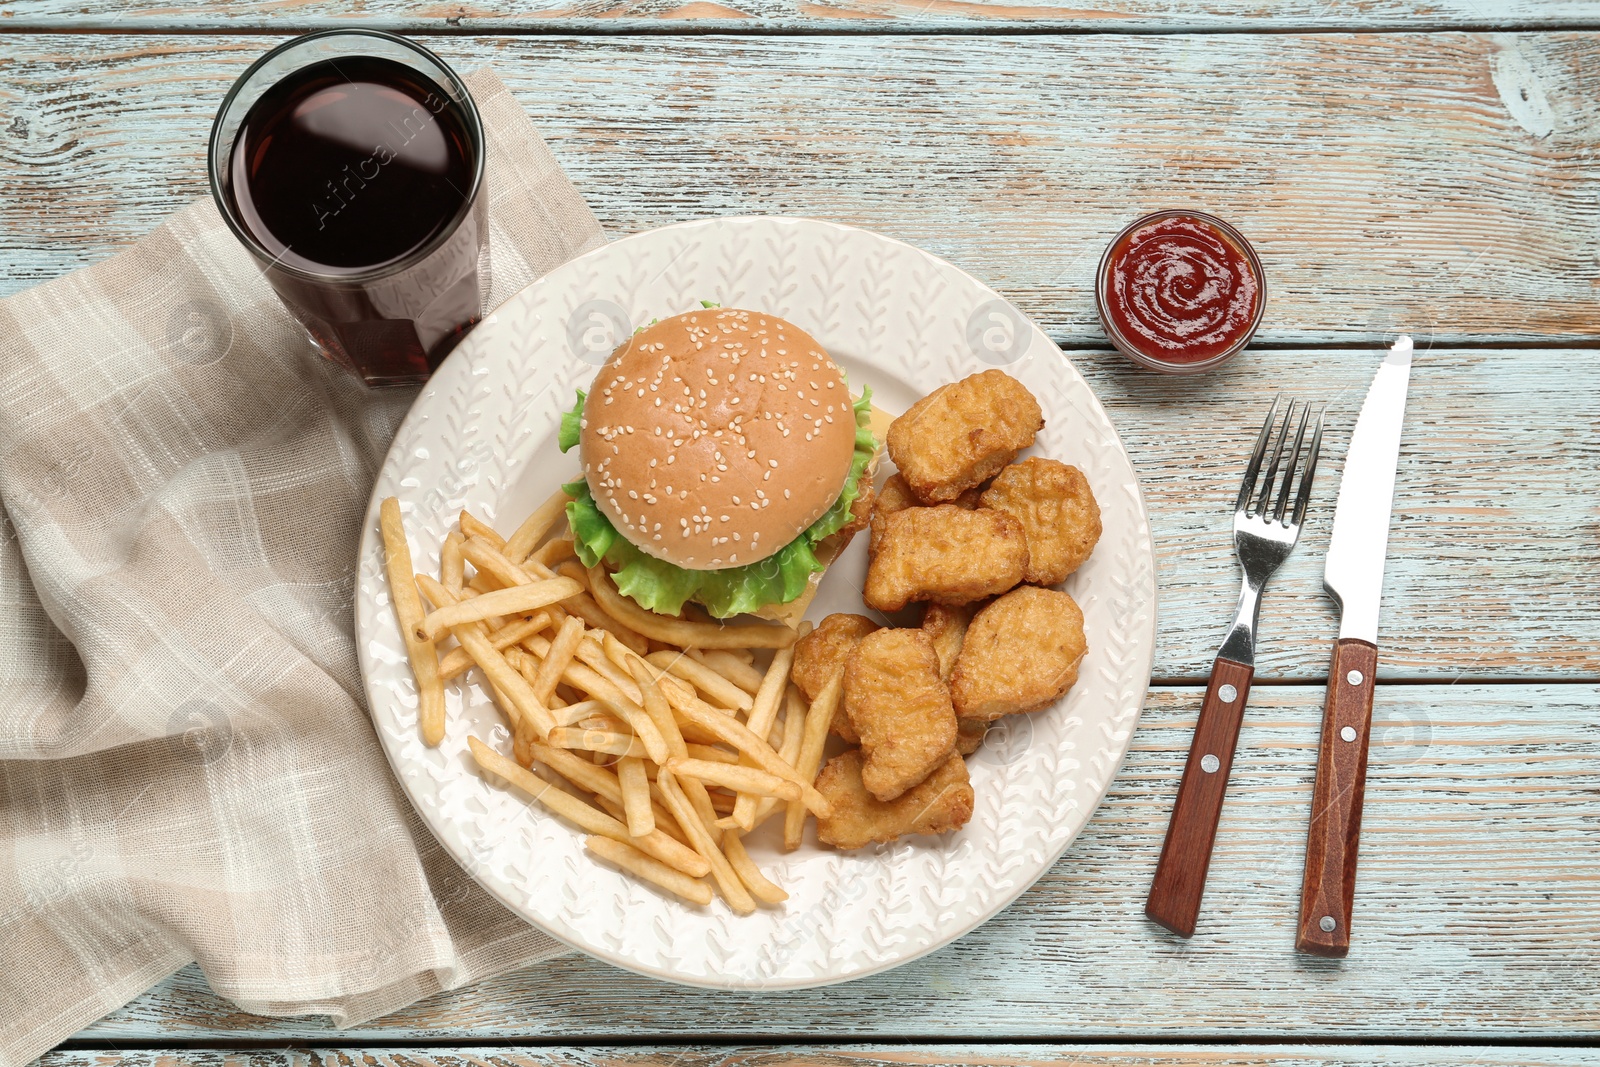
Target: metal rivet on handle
[1328, 924]
[1354, 677]
[1209, 763]
[1227, 694]
[1348, 733]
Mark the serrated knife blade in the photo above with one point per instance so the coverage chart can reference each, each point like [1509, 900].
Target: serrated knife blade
[1353, 574]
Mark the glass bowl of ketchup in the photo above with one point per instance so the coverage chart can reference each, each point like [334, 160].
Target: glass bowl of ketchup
[1180, 291]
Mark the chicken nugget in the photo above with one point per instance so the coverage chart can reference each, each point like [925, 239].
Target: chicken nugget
[943, 802]
[1021, 653]
[1058, 513]
[896, 495]
[970, 734]
[946, 555]
[963, 433]
[947, 625]
[821, 652]
[900, 709]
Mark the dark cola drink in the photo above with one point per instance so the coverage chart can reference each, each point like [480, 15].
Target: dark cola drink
[354, 174]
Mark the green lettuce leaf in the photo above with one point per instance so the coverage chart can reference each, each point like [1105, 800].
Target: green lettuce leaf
[571, 424]
[665, 588]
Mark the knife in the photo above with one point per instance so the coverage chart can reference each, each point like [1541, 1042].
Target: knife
[1353, 576]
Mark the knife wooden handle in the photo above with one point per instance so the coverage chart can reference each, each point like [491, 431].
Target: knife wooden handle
[1180, 880]
[1328, 888]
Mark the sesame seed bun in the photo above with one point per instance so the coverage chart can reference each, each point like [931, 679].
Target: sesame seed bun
[713, 439]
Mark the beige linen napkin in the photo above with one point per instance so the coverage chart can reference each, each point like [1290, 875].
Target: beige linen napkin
[187, 770]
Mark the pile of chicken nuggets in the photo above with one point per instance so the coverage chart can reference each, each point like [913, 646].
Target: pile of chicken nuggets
[978, 538]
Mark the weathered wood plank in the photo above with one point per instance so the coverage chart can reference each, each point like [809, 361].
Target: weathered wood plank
[1479, 889]
[1443, 181]
[501, 16]
[1494, 567]
[848, 1056]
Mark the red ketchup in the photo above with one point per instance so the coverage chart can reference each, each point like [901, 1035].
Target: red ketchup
[1180, 291]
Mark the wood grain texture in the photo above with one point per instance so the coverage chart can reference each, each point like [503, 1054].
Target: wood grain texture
[1328, 884]
[1179, 883]
[1443, 182]
[1480, 888]
[845, 1056]
[501, 16]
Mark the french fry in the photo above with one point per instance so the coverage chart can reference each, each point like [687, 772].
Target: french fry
[728, 882]
[580, 772]
[762, 714]
[684, 632]
[535, 526]
[794, 725]
[421, 652]
[573, 569]
[659, 845]
[637, 863]
[664, 820]
[585, 679]
[573, 714]
[704, 678]
[515, 600]
[607, 722]
[660, 712]
[700, 800]
[562, 646]
[818, 718]
[584, 606]
[472, 526]
[635, 795]
[485, 554]
[617, 744]
[482, 554]
[551, 551]
[732, 732]
[707, 752]
[760, 888]
[745, 780]
[492, 663]
[512, 714]
[728, 666]
[794, 719]
[452, 568]
[457, 662]
[626, 702]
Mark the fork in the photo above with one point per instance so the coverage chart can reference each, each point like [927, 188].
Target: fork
[1263, 536]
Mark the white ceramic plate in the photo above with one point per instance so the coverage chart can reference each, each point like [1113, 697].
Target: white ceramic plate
[483, 436]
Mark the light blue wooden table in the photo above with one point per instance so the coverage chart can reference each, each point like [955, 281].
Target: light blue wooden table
[1425, 165]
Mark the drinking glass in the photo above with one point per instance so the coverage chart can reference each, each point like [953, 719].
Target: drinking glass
[388, 316]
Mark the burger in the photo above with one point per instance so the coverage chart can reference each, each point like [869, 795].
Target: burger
[725, 464]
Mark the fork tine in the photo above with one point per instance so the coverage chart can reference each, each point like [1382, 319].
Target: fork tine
[1247, 487]
[1265, 499]
[1294, 460]
[1304, 497]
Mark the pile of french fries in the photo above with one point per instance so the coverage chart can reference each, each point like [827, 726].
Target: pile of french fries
[664, 739]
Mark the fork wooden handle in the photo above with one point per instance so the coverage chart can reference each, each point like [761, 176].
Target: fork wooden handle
[1180, 880]
[1328, 888]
